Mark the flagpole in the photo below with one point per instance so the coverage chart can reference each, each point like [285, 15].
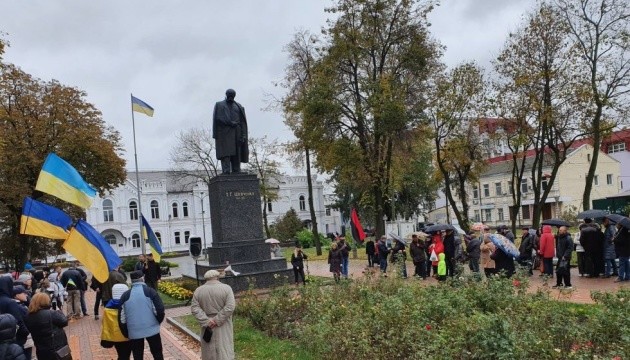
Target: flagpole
[135, 155]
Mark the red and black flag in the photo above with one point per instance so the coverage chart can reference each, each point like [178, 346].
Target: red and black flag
[355, 225]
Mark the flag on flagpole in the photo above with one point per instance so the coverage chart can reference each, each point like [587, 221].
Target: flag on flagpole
[39, 219]
[154, 243]
[140, 106]
[89, 247]
[58, 178]
[355, 225]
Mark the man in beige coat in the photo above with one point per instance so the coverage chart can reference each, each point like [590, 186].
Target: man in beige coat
[212, 305]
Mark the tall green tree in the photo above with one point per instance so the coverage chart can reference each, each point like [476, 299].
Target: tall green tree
[38, 117]
[366, 90]
[600, 31]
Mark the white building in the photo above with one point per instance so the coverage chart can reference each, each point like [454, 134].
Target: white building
[177, 209]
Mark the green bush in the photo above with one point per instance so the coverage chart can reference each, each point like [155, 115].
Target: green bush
[305, 237]
[463, 318]
[129, 263]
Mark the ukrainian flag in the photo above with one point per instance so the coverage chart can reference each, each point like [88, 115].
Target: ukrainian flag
[91, 249]
[39, 219]
[60, 179]
[140, 106]
[154, 243]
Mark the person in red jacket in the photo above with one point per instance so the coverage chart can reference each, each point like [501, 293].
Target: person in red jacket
[547, 250]
[438, 247]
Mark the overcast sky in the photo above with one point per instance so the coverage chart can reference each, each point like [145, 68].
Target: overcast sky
[181, 56]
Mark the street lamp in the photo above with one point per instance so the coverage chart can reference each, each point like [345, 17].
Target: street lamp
[203, 221]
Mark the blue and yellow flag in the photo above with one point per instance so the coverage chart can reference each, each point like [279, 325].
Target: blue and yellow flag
[60, 179]
[140, 106]
[154, 243]
[91, 249]
[39, 219]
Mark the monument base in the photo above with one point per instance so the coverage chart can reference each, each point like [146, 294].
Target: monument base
[255, 280]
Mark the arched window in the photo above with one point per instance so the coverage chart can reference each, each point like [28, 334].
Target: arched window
[111, 239]
[155, 210]
[174, 206]
[135, 240]
[133, 210]
[159, 237]
[185, 209]
[108, 210]
[302, 203]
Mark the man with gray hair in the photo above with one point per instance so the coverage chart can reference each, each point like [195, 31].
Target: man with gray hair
[212, 305]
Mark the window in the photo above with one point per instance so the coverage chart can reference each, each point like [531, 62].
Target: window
[488, 214]
[523, 185]
[133, 210]
[477, 216]
[108, 211]
[185, 209]
[269, 206]
[510, 189]
[327, 211]
[111, 239]
[588, 157]
[135, 240]
[159, 237]
[500, 214]
[177, 239]
[525, 212]
[545, 182]
[609, 179]
[186, 236]
[174, 207]
[486, 190]
[302, 203]
[475, 193]
[155, 210]
[497, 188]
[595, 180]
[617, 147]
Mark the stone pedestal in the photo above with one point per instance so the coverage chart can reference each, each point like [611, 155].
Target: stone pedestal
[237, 235]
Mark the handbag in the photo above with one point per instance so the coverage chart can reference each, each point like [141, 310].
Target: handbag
[63, 353]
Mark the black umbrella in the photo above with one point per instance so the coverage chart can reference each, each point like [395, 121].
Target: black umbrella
[439, 227]
[555, 222]
[625, 222]
[615, 217]
[592, 214]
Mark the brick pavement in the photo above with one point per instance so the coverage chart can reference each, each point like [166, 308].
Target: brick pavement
[84, 334]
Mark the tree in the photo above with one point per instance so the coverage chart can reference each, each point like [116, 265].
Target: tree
[601, 32]
[285, 227]
[366, 90]
[194, 157]
[267, 168]
[540, 83]
[38, 117]
[456, 104]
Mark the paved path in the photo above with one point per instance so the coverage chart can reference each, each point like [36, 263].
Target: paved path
[84, 334]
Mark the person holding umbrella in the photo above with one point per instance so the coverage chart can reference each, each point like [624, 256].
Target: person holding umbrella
[609, 249]
[418, 256]
[564, 248]
[622, 249]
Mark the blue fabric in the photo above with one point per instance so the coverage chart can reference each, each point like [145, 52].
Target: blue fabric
[141, 320]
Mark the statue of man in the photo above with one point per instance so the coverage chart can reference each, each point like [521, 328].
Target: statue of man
[229, 129]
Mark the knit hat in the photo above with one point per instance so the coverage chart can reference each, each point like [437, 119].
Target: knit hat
[136, 275]
[118, 290]
[24, 277]
[28, 266]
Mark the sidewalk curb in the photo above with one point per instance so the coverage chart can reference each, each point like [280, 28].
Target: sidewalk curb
[182, 328]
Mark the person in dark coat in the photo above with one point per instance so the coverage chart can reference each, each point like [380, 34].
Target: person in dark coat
[9, 349]
[47, 327]
[229, 129]
[592, 240]
[525, 251]
[334, 259]
[370, 251]
[297, 261]
[8, 305]
[72, 281]
[473, 250]
[418, 256]
[564, 248]
[97, 287]
[504, 263]
[399, 255]
[383, 251]
[622, 249]
[152, 272]
[449, 251]
[115, 277]
[610, 266]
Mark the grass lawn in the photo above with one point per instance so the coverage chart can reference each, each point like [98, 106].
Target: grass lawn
[167, 300]
[312, 253]
[250, 343]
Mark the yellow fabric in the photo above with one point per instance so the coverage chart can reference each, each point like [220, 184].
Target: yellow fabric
[111, 329]
[88, 254]
[37, 227]
[50, 184]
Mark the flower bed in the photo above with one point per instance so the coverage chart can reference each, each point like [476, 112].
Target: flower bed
[175, 291]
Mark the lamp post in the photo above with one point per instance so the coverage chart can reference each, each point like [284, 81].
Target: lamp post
[203, 221]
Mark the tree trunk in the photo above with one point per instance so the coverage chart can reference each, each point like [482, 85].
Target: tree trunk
[597, 141]
[311, 206]
[265, 222]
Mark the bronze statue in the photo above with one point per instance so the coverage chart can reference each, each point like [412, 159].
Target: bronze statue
[229, 129]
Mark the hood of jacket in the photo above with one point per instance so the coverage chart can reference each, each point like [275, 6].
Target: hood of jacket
[441, 256]
[547, 229]
[8, 327]
[6, 286]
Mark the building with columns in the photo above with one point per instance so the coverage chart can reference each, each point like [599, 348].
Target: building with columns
[178, 208]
